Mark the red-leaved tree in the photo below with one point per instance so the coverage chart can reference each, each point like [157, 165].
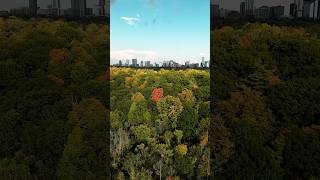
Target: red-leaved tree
[156, 94]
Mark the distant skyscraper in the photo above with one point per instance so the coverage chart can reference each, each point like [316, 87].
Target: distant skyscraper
[33, 6]
[318, 10]
[215, 10]
[307, 9]
[293, 9]
[107, 7]
[78, 7]
[249, 7]
[206, 64]
[187, 63]
[141, 64]
[262, 12]
[299, 4]
[147, 64]
[56, 4]
[243, 8]
[134, 62]
[103, 7]
[203, 62]
[120, 63]
[277, 12]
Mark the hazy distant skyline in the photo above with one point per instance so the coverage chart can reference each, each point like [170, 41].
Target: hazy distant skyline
[9, 4]
[235, 4]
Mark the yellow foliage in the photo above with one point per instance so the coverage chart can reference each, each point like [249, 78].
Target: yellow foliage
[57, 56]
[186, 95]
[143, 85]
[204, 139]
[226, 29]
[137, 97]
[182, 149]
[128, 82]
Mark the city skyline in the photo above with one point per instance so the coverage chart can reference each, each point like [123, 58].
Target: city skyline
[54, 8]
[157, 30]
[161, 61]
[307, 9]
[163, 64]
[7, 5]
[235, 4]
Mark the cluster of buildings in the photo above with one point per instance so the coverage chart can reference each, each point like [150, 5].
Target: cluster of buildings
[164, 64]
[78, 8]
[308, 9]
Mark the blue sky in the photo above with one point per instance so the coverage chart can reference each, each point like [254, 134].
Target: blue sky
[160, 30]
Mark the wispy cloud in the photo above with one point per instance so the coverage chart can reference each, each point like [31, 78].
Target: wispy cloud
[132, 53]
[131, 20]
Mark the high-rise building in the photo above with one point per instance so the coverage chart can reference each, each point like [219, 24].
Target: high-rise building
[215, 10]
[249, 7]
[203, 62]
[134, 62]
[276, 12]
[103, 7]
[120, 63]
[318, 10]
[307, 9]
[187, 64]
[147, 64]
[107, 8]
[262, 12]
[311, 9]
[78, 7]
[299, 4]
[127, 62]
[293, 9]
[243, 9]
[141, 64]
[56, 5]
[33, 7]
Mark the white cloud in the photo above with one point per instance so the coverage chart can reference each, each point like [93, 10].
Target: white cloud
[131, 20]
[132, 54]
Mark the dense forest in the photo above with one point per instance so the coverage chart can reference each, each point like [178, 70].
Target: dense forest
[159, 124]
[265, 88]
[265, 94]
[53, 99]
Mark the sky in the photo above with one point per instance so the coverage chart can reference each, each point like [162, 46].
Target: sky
[235, 4]
[159, 30]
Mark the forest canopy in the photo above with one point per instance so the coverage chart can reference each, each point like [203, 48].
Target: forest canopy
[53, 99]
[266, 90]
[159, 123]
